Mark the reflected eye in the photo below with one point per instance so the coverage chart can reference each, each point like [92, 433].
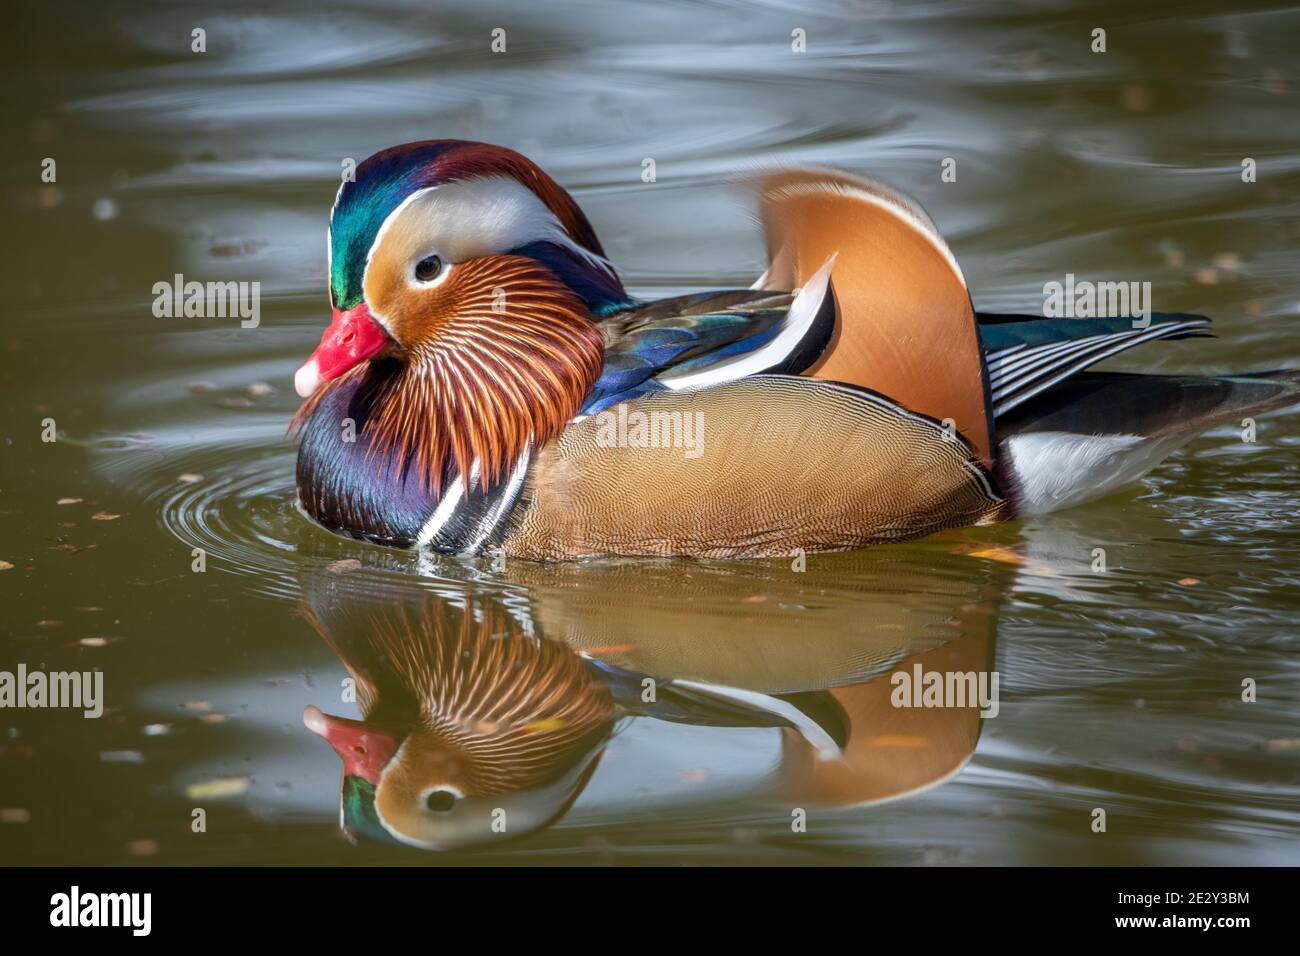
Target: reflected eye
[440, 801]
[428, 268]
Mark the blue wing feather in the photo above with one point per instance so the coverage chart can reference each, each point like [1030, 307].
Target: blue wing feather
[683, 333]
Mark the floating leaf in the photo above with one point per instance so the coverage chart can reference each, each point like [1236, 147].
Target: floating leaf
[142, 848]
[1227, 261]
[996, 553]
[217, 789]
[97, 641]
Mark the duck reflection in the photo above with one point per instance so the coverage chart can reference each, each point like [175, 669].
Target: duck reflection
[486, 714]
[471, 728]
[832, 638]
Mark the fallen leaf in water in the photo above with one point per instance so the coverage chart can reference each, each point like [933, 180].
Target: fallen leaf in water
[235, 247]
[1228, 261]
[213, 718]
[104, 516]
[1206, 276]
[156, 730]
[1188, 582]
[1283, 743]
[344, 566]
[217, 789]
[142, 848]
[198, 388]
[197, 705]
[70, 501]
[1135, 98]
[260, 389]
[754, 599]
[189, 477]
[15, 815]
[5, 565]
[49, 622]
[995, 553]
[97, 641]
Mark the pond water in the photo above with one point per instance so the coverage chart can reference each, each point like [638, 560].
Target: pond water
[1119, 690]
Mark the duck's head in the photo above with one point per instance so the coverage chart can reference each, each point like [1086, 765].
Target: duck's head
[474, 282]
[434, 791]
[474, 732]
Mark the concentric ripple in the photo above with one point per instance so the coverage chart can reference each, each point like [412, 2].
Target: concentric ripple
[232, 494]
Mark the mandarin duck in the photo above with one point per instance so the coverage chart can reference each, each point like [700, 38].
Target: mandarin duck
[475, 729]
[486, 382]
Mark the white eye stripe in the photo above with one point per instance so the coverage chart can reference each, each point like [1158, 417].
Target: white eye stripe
[490, 215]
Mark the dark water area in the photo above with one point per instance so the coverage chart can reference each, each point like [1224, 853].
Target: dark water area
[1119, 690]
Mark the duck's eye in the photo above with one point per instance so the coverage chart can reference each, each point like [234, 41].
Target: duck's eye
[440, 801]
[428, 268]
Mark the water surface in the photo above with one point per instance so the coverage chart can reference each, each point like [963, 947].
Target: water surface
[1119, 690]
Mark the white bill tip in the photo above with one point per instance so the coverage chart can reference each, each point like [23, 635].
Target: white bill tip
[306, 379]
